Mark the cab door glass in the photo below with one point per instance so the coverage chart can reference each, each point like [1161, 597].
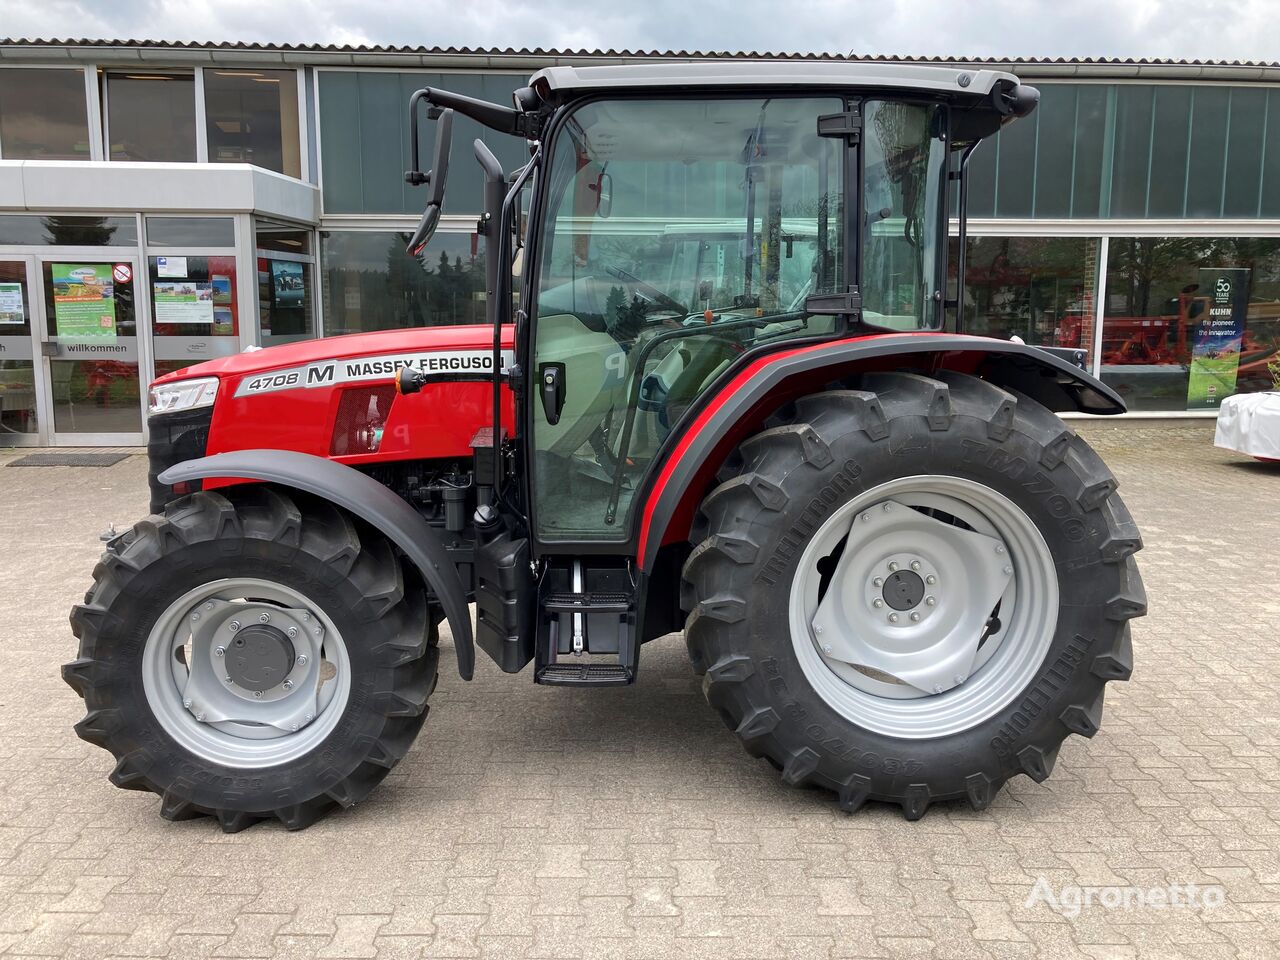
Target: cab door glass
[680, 234]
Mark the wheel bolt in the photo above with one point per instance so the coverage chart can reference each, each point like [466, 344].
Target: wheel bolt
[826, 648]
[195, 616]
[293, 727]
[187, 704]
[219, 651]
[317, 631]
[233, 626]
[257, 694]
[1000, 548]
[293, 631]
[877, 603]
[264, 618]
[228, 679]
[209, 606]
[887, 507]
[302, 660]
[893, 565]
[878, 582]
[937, 688]
[930, 601]
[893, 618]
[308, 719]
[815, 630]
[931, 579]
[866, 517]
[959, 679]
[915, 617]
[306, 617]
[1008, 570]
[288, 684]
[915, 564]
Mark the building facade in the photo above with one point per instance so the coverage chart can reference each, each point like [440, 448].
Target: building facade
[161, 204]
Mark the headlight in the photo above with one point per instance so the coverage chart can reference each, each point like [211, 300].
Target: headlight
[182, 395]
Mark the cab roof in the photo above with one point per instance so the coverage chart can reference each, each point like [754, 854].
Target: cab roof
[897, 76]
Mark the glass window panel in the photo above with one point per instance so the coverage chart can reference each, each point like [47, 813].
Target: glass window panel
[28, 230]
[1132, 151]
[1088, 137]
[151, 117]
[1017, 168]
[981, 198]
[659, 269]
[1269, 191]
[1038, 288]
[364, 139]
[252, 117]
[1159, 294]
[1054, 132]
[191, 232]
[1171, 142]
[1211, 107]
[371, 283]
[286, 300]
[281, 237]
[195, 315]
[100, 393]
[43, 115]
[1244, 152]
[17, 372]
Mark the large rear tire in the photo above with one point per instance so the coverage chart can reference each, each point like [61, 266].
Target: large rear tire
[912, 590]
[253, 654]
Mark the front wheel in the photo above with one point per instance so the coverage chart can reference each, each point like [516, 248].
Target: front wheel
[912, 590]
[253, 655]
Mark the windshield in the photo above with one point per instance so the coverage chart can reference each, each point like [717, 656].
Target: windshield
[904, 170]
[680, 234]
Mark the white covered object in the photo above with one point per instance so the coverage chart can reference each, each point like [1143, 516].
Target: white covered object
[1249, 423]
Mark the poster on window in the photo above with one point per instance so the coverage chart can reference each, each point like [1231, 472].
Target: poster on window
[183, 301]
[1215, 356]
[11, 306]
[84, 303]
[286, 281]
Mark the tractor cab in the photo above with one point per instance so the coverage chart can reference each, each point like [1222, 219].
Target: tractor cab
[682, 220]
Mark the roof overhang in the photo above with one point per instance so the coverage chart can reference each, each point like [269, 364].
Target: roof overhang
[122, 187]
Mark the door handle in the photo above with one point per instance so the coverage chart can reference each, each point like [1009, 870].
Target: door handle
[551, 383]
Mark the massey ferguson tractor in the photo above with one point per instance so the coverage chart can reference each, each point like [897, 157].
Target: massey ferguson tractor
[723, 389]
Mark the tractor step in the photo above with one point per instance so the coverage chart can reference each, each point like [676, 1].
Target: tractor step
[584, 674]
[586, 624]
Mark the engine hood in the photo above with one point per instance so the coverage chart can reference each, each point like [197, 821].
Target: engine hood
[414, 340]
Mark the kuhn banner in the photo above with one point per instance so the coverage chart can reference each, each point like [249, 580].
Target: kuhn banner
[326, 373]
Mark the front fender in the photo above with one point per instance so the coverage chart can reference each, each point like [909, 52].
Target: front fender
[739, 406]
[365, 498]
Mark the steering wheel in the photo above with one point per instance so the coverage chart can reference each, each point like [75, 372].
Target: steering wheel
[652, 293]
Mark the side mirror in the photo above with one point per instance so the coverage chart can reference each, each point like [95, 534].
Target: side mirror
[603, 189]
[435, 178]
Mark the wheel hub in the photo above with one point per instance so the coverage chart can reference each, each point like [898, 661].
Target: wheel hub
[903, 589]
[260, 657]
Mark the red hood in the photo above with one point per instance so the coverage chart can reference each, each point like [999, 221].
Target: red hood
[471, 337]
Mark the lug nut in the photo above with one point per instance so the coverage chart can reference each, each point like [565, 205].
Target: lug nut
[233, 626]
[893, 565]
[200, 717]
[306, 617]
[316, 631]
[937, 688]
[826, 648]
[209, 605]
[878, 582]
[293, 727]
[308, 719]
[915, 617]
[959, 679]
[288, 684]
[866, 517]
[1000, 548]
[931, 579]
[293, 631]
[195, 616]
[264, 618]
[257, 694]
[187, 704]
[817, 629]
[302, 660]
[915, 564]
[219, 651]
[930, 601]
[877, 603]
[893, 618]
[1008, 570]
[887, 507]
[229, 680]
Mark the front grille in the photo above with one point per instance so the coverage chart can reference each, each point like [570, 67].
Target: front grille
[174, 438]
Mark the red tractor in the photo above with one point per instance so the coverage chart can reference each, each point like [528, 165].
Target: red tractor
[720, 391]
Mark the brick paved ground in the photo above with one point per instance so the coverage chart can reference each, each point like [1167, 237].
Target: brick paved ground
[530, 821]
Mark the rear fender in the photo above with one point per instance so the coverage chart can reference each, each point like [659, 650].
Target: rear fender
[364, 497]
[744, 402]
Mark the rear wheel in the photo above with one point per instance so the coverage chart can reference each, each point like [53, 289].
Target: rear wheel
[912, 590]
[253, 655]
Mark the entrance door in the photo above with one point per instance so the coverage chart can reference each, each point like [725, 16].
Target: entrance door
[90, 345]
[23, 413]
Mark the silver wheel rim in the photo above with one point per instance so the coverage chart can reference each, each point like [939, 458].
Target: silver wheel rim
[927, 659]
[190, 690]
